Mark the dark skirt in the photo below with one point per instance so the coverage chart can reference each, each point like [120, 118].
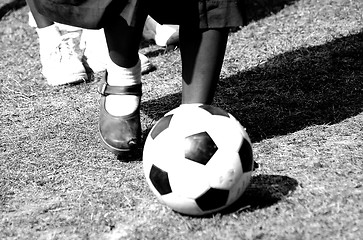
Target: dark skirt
[94, 14]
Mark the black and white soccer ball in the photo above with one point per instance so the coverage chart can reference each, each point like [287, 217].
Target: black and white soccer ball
[198, 159]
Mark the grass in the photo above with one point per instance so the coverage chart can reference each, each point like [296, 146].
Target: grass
[293, 76]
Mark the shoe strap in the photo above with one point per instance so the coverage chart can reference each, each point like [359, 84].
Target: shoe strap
[105, 89]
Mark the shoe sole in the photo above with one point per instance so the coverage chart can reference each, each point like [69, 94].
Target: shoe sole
[124, 155]
[147, 68]
[80, 78]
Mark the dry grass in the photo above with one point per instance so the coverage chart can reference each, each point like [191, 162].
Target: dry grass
[292, 76]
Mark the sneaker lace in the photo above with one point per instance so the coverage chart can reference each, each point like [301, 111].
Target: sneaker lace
[66, 48]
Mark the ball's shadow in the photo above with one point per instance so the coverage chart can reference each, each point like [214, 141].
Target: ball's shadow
[264, 191]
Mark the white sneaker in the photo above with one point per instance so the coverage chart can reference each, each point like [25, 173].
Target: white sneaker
[93, 42]
[60, 63]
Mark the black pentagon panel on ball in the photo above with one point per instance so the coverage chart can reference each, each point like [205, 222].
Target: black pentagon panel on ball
[200, 148]
[215, 110]
[212, 199]
[246, 156]
[160, 180]
[161, 125]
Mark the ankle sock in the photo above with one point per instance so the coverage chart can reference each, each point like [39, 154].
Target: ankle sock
[120, 76]
[121, 105]
[48, 37]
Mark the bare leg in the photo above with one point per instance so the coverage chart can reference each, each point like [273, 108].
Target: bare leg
[202, 53]
[123, 41]
[40, 20]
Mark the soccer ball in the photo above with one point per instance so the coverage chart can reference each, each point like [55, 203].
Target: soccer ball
[197, 159]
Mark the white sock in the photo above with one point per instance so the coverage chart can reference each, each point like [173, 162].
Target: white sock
[120, 76]
[121, 105]
[48, 37]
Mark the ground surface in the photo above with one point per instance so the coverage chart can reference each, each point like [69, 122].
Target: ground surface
[293, 76]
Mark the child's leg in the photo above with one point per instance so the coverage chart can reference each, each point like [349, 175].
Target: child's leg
[96, 55]
[123, 42]
[119, 123]
[40, 20]
[202, 53]
[124, 69]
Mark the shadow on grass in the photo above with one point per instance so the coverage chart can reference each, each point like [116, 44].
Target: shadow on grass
[258, 9]
[309, 86]
[264, 191]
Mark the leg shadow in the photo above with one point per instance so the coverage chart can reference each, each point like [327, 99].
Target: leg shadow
[309, 86]
[259, 9]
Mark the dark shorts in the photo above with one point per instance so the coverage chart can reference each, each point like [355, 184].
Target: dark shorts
[95, 14]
